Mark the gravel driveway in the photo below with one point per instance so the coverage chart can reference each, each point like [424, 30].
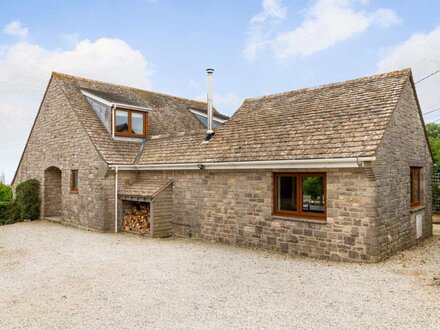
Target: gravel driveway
[53, 276]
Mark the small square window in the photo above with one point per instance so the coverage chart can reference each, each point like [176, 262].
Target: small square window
[300, 195]
[130, 123]
[74, 181]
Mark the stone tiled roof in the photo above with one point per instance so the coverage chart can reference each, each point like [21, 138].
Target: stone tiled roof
[169, 114]
[339, 120]
[346, 119]
[144, 188]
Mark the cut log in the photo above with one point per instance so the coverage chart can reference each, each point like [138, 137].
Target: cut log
[137, 217]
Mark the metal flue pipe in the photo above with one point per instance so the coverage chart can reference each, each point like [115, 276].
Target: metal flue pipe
[210, 101]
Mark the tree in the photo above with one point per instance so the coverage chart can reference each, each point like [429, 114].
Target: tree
[5, 201]
[433, 131]
[5, 193]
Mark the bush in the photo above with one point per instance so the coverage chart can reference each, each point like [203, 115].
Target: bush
[4, 207]
[5, 201]
[5, 193]
[27, 201]
[26, 204]
[13, 212]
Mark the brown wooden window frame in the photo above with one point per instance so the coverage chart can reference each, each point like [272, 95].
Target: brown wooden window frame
[73, 184]
[416, 172]
[299, 198]
[128, 134]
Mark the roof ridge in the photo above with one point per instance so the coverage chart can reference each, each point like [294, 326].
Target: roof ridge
[59, 75]
[406, 71]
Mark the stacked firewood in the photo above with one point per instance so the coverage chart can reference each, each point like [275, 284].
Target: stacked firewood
[137, 217]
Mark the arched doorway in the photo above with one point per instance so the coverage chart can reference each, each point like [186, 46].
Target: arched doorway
[52, 192]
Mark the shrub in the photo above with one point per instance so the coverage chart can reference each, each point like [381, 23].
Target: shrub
[13, 212]
[5, 202]
[5, 193]
[4, 207]
[27, 201]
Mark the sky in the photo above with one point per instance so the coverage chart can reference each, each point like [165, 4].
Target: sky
[257, 47]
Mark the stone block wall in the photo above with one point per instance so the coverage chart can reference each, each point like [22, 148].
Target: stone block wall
[403, 145]
[58, 140]
[236, 207]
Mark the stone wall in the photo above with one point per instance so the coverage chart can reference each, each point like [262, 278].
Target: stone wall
[236, 207]
[403, 145]
[58, 140]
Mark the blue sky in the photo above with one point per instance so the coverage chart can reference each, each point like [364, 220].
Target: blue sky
[257, 47]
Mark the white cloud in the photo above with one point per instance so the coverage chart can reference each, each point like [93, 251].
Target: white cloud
[325, 23]
[271, 9]
[421, 52]
[25, 69]
[385, 18]
[261, 26]
[15, 28]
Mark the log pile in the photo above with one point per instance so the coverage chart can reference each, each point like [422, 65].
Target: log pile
[137, 217]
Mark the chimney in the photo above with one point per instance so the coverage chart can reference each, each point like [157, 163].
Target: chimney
[210, 115]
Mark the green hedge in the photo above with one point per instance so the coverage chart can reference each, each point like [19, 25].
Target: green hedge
[4, 207]
[26, 204]
[28, 200]
[5, 193]
[5, 201]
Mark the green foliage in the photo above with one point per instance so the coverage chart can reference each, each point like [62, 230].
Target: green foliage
[13, 214]
[433, 131]
[435, 194]
[28, 200]
[5, 202]
[5, 193]
[26, 204]
[3, 212]
[313, 186]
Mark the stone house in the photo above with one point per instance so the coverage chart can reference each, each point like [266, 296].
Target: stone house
[341, 171]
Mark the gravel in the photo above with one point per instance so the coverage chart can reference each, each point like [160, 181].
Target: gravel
[58, 277]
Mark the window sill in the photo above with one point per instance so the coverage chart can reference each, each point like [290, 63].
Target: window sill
[74, 192]
[294, 219]
[417, 208]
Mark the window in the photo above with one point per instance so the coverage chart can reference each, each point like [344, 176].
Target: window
[300, 195]
[130, 123]
[74, 181]
[416, 186]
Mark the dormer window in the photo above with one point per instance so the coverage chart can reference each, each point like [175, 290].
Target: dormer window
[130, 123]
[122, 119]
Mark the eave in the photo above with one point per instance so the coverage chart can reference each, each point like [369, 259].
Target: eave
[114, 104]
[324, 163]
